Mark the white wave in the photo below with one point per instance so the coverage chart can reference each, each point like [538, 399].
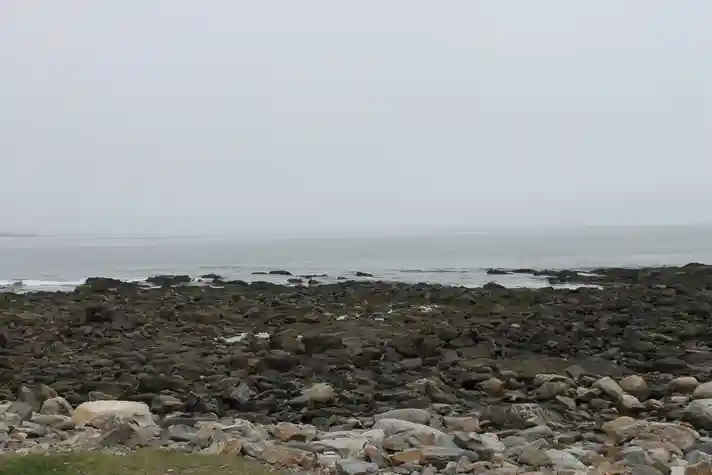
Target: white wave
[33, 283]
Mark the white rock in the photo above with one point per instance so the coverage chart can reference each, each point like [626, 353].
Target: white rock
[703, 391]
[126, 411]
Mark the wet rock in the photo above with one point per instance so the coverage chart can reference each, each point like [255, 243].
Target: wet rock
[280, 272]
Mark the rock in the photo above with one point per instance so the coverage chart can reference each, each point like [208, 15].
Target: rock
[537, 432]
[363, 274]
[409, 456]
[356, 467]
[422, 432]
[440, 456]
[633, 384]
[699, 413]
[684, 384]
[463, 424]
[419, 416]
[126, 411]
[165, 404]
[35, 395]
[551, 389]
[630, 403]
[703, 391]
[280, 272]
[534, 455]
[624, 428]
[517, 416]
[645, 470]
[57, 406]
[129, 434]
[610, 387]
[319, 393]
[681, 437]
[493, 386]
[56, 421]
[289, 456]
[564, 461]
[344, 446]
[21, 410]
[286, 431]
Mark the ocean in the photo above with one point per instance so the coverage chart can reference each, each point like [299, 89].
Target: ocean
[61, 263]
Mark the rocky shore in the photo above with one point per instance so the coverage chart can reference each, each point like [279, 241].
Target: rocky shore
[367, 377]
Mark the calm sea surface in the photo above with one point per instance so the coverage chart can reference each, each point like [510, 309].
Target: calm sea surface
[63, 262]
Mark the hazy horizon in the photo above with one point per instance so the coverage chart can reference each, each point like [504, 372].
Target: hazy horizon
[256, 118]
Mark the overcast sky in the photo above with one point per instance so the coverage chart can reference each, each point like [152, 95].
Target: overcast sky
[243, 116]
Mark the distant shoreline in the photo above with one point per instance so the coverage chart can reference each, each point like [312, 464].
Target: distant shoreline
[18, 235]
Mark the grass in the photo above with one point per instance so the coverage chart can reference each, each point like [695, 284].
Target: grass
[142, 462]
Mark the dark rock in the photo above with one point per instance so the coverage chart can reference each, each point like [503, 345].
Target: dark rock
[280, 272]
[166, 280]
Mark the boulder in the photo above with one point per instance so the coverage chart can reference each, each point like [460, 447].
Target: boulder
[610, 388]
[624, 428]
[633, 384]
[684, 384]
[703, 391]
[699, 413]
[125, 411]
[57, 406]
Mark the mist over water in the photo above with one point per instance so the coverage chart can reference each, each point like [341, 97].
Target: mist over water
[459, 259]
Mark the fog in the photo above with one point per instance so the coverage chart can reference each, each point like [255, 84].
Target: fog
[178, 116]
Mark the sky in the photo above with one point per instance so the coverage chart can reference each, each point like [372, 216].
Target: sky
[243, 116]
